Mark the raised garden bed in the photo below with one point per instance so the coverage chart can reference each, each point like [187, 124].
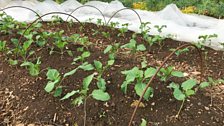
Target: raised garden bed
[31, 64]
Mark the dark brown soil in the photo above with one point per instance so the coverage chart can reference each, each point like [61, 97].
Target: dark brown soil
[24, 101]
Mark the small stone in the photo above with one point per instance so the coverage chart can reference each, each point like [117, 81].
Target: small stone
[199, 103]
[153, 103]
[207, 108]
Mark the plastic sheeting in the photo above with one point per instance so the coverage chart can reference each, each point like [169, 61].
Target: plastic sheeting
[184, 27]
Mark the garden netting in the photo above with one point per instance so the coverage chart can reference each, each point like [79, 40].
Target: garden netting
[179, 26]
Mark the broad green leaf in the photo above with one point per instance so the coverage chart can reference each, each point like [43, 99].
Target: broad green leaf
[109, 47]
[177, 73]
[98, 65]
[58, 92]
[178, 94]
[27, 44]
[204, 84]
[144, 64]
[50, 86]
[141, 47]
[76, 59]
[130, 45]
[101, 84]
[85, 54]
[26, 64]
[143, 123]
[189, 92]
[71, 72]
[100, 95]
[13, 62]
[188, 84]
[139, 88]
[53, 74]
[149, 72]
[87, 67]
[34, 70]
[110, 62]
[87, 81]
[70, 94]
[173, 85]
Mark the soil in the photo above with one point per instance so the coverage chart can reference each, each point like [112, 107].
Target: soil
[23, 100]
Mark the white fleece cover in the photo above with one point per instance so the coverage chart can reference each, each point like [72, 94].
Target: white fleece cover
[183, 27]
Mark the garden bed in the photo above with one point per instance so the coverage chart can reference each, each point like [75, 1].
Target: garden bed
[23, 99]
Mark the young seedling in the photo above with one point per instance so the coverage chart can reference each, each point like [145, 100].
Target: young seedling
[183, 91]
[133, 46]
[106, 34]
[211, 82]
[140, 78]
[145, 29]
[123, 29]
[82, 57]
[113, 25]
[60, 40]
[112, 50]
[166, 73]
[55, 79]
[34, 69]
[180, 51]
[160, 28]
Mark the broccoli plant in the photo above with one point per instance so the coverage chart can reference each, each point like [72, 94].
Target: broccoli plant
[34, 69]
[167, 73]
[133, 46]
[112, 50]
[139, 78]
[183, 91]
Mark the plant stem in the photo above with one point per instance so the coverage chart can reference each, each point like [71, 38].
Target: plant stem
[177, 115]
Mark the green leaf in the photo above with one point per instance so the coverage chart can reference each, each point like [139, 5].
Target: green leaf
[139, 88]
[149, 72]
[141, 47]
[177, 73]
[101, 84]
[188, 84]
[98, 65]
[100, 95]
[110, 62]
[109, 47]
[178, 94]
[58, 92]
[50, 86]
[87, 67]
[68, 95]
[78, 101]
[71, 72]
[124, 86]
[204, 84]
[27, 44]
[85, 54]
[87, 81]
[173, 85]
[26, 64]
[190, 92]
[13, 62]
[143, 123]
[34, 70]
[53, 74]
